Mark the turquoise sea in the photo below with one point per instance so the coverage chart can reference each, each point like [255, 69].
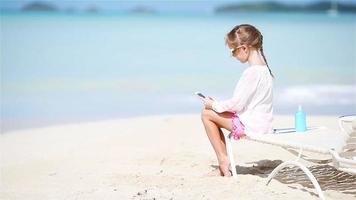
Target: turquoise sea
[69, 68]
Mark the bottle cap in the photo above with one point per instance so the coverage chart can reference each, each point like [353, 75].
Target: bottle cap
[299, 107]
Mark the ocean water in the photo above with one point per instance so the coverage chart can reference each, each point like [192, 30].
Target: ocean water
[61, 68]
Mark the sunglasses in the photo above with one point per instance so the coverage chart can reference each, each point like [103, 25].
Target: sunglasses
[233, 51]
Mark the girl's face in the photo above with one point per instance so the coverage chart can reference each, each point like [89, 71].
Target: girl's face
[241, 53]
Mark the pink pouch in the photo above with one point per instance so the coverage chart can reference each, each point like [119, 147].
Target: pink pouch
[238, 129]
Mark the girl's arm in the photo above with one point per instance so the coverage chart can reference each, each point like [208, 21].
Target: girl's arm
[243, 93]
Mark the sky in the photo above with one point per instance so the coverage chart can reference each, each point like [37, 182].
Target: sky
[159, 5]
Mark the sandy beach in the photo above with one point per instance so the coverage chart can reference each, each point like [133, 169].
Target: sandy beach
[154, 157]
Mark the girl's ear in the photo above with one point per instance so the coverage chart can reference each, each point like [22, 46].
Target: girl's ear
[246, 50]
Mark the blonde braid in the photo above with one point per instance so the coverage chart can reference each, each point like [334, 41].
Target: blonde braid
[264, 57]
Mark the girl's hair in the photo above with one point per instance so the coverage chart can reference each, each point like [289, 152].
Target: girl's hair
[246, 34]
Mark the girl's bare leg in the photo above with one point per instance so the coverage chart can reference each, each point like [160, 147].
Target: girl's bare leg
[213, 122]
[217, 171]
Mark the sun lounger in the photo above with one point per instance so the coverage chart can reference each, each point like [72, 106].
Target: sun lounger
[339, 144]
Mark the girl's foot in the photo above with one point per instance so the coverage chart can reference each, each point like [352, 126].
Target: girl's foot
[225, 169]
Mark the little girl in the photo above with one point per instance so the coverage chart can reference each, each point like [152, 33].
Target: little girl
[250, 110]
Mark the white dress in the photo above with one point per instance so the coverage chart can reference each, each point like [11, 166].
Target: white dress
[252, 100]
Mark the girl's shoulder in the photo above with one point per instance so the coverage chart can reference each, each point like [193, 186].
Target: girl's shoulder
[254, 68]
[255, 72]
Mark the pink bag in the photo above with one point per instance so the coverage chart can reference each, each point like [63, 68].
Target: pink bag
[238, 129]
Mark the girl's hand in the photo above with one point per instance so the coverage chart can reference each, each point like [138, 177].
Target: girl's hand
[208, 103]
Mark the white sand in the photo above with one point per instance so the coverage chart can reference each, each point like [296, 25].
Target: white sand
[161, 157]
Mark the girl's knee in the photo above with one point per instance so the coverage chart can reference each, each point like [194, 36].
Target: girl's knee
[206, 114]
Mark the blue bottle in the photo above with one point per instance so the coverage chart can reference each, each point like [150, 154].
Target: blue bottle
[300, 120]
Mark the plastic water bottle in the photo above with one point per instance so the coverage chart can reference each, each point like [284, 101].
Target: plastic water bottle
[300, 120]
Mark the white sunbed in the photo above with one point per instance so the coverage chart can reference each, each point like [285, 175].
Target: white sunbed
[340, 145]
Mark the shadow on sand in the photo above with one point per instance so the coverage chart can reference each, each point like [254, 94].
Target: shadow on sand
[328, 177]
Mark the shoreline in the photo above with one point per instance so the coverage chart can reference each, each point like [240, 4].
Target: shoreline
[86, 121]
